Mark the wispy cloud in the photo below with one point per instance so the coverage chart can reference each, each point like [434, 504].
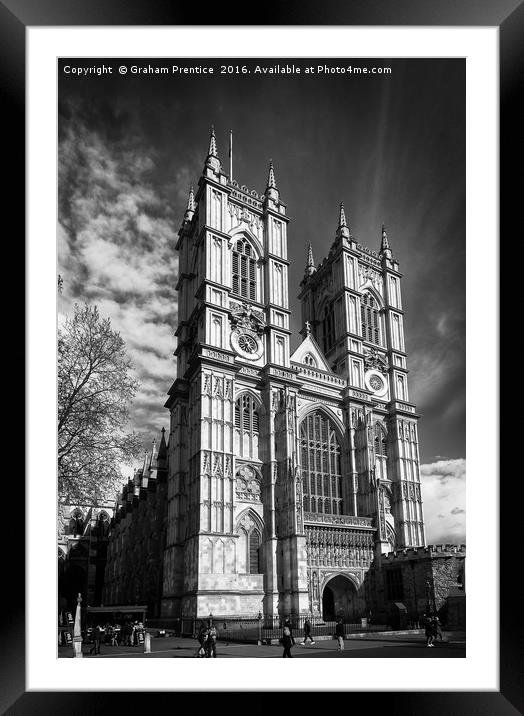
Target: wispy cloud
[116, 243]
[444, 494]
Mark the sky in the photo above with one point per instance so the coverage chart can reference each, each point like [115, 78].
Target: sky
[391, 147]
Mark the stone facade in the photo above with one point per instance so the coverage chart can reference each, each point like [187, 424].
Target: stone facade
[133, 572]
[422, 579]
[293, 479]
[83, 536]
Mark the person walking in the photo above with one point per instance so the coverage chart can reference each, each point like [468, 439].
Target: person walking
[212, 635]
[97, 636]
[202, 638]
[287, 639]
[307, 633]
[339, 633]
[428, 630]
[437, 628]
[127, 630]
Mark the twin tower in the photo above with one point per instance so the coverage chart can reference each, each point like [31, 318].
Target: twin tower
[289, 474]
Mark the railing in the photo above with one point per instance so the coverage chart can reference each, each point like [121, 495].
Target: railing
[265, 630]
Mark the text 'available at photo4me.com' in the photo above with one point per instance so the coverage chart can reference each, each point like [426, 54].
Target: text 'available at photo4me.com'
[225, 69]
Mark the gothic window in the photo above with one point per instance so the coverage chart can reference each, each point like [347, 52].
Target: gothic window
[370, 318]
[321, 469]
[380, 442]
[246, 415]
[328, 328]
[254, 552]
[249, 545]
[103, 524]
[76, 523]
[244, 270]
[309, 360]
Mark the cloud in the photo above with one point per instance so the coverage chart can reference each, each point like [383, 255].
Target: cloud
[444, 496]
[115, 244]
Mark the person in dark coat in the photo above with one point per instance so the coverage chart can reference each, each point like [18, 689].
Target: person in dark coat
[339, 633]
[307, 632]
[429, 630]
[212, 636]
[202, 639]
[287, 639]
[437, 629]
[97, 637]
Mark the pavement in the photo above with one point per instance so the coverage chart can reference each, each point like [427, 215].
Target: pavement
[381, 645]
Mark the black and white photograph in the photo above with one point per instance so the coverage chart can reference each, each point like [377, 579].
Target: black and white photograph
[261, 358]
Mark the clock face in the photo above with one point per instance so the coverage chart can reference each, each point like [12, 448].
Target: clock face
[247, 344]
[376, 383]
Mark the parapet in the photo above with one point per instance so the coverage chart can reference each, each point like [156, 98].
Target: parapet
[408, 553]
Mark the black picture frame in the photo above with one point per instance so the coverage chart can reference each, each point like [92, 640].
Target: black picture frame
[508, 16]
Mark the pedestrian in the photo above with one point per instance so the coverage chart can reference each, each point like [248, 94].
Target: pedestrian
[211, 642]
[202, 638]
[428, 629]
[287, 639]
[437, 629]
[339, 633]
[125, 634]
[114, 636]
[307, 633]
[97, 636]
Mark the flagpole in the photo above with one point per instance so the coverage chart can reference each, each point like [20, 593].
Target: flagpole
[230, 155]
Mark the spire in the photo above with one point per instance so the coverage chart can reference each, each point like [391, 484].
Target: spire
[212, 144]
[162, 448]
[385, 242]
[343, 228]
[385, 248]
[144, 466]
[310, 265]
[152, 455]
[342, 218]
[212, 160]
[190, 210]
[271, 188]
[271, 182]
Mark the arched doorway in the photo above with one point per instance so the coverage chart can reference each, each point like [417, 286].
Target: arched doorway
[339, 599]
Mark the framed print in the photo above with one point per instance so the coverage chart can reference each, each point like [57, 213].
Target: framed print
[173, 154]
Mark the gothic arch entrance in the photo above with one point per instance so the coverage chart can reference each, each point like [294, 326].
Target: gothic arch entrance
[339, 599]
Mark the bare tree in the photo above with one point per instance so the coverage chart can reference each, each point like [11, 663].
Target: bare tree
[95, 387]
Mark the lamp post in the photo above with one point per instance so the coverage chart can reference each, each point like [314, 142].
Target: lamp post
[259, 643]
[428, 601]
[77, 630]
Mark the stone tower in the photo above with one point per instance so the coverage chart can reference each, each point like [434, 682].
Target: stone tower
[288, 475]
[352, 302]
[234, 542]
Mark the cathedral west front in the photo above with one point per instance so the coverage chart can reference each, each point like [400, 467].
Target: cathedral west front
[290, 475]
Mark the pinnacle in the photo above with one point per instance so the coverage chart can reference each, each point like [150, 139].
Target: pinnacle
[384, 244]
[271, 182]
[342, 216]
[212, 144]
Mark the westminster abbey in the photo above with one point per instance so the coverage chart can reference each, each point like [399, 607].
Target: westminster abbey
[292, 479]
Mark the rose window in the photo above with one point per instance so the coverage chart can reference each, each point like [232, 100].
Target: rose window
[247, 343]
[376, 383]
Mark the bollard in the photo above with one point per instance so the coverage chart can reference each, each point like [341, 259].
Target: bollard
[147, 643]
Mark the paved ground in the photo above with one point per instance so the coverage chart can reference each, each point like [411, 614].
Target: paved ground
[401, 646]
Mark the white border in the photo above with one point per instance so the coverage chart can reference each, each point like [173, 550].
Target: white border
[479, 671]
